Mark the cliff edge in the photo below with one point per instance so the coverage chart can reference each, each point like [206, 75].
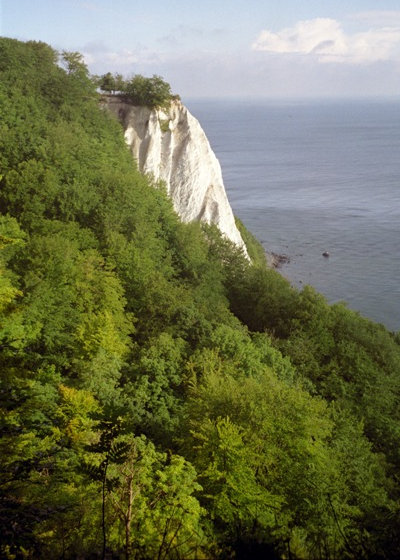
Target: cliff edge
[170, 145]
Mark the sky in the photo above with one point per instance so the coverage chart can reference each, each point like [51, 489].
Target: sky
[226, 48]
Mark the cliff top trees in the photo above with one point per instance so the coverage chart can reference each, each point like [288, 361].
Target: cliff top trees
[152, 92]
[111, 83]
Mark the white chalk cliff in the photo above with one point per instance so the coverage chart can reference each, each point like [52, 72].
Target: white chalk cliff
[171, 146]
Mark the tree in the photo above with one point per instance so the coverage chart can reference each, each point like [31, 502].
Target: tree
[73, 61]
[111, 451]
[107, 83]
[261, 448]
[160, 396]
[152, 496]
[79, 85]
[111, 83]
[152, 92]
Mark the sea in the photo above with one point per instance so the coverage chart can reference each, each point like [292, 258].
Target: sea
[309, 177]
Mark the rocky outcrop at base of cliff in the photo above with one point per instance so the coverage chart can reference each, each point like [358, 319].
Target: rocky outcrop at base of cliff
[170, 145]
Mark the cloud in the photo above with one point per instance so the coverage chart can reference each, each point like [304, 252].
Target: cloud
[91, 6]
[252, 74]
[378, 18]
[187, 35]
[239, 74]
[325, 39]
[100, 58]
[180, 34]
[122, 58]
[210, 72]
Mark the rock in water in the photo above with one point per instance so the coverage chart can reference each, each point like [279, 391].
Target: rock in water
[170, 145]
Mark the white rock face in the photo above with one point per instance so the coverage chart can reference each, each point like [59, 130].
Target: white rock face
[171, 145]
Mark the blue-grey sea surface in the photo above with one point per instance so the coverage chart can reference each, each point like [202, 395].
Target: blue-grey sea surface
[309, 177]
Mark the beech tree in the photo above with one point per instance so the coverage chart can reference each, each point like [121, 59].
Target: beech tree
[160, 395]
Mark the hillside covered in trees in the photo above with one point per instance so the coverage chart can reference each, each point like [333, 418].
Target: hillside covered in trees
[160, 396]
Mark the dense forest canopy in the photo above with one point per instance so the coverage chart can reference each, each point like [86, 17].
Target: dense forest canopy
[161, 397]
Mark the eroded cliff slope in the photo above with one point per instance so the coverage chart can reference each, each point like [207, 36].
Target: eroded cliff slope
[171, 145]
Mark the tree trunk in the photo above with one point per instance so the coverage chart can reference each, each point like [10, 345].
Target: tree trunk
[128, 518]
[103, 520]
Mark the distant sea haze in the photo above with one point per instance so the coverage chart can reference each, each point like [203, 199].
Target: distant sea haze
[311, 177]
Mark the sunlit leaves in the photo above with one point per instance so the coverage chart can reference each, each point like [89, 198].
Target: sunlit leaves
[139, 417]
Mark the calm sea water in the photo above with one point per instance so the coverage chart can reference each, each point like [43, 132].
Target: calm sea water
[318, 176]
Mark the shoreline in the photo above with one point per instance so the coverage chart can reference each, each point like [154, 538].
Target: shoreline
[276, 260]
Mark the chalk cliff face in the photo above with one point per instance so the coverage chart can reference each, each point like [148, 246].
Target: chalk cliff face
[171, 145]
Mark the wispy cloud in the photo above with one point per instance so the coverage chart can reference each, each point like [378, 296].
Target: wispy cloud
[325, 40]
[181, 35]
[188, 35]
[91, 6]
[378, 18]
[100, 58]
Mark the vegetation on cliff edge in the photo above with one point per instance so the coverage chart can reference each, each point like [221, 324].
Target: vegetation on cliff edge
[139, 90]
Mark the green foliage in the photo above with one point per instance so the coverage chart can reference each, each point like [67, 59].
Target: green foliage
[139, 90]
[111, 83]
[264, 468]
[164, 125]
[153, 92]
[254, 248]
[160, 396]
[147, 498]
